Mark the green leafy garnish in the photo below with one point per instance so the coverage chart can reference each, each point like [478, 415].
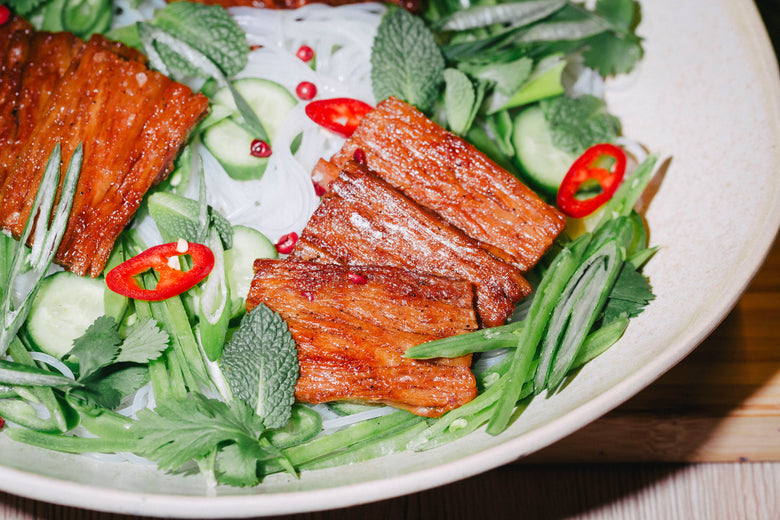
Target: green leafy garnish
[629, 297]
[177, 432]
[406, 61]
[101, 345]
[578, 123]
[462, 99]
[207, 28]
[617, 50]
[179, 217]
[260, 364]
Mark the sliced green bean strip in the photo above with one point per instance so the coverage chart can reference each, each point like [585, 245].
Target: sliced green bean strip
[71, 444]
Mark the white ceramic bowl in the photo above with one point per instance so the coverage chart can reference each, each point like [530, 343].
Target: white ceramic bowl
[706, 96]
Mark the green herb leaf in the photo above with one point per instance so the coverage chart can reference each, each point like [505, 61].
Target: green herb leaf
[97, 348]
[617, 50]
[406, 61]
[207, 28]
[236, 469]
[461, 100]
[578, 123]
[630, 295]
[609, 53]
[108, 390]
[144, 342]
[179, 431]
[260, 364]
[25, 7]
[179, 217]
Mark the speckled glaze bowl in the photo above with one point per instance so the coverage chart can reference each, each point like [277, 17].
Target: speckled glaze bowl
[705, 97]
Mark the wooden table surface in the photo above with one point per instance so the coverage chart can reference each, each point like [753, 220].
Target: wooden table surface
[711, 423]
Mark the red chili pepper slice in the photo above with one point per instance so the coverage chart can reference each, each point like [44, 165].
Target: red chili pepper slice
[587, 167]
[172, 281]
[340, 115]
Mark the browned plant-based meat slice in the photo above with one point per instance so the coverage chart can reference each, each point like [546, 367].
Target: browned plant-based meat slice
[44, 59]
[444, 173]
[352, 325]
[363, 220]
[132, 123]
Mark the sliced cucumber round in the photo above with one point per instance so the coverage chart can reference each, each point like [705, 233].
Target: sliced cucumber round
[248, 245]
[65, 306]
[304, 424]
[229, 142]
[543, 164]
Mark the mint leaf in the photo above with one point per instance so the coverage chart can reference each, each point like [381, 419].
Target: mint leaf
[179, 431]
[629, 296]
[97, 347]
[578, 123]
[506, 77]
[260, 364]
[144, 342]
[406, 61]
[207, 28]
[179, 217]
[461, 100]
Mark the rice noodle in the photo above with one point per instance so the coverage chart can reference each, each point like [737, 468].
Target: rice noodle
[54, 363]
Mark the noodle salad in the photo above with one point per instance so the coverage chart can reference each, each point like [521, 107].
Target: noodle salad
[523, 82]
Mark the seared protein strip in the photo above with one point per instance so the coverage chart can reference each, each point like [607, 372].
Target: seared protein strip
[352, 325]
[132, 122]
[364, 221]
[445, 174]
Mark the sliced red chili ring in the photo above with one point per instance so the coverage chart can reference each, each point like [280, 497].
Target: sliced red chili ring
[286, 243]
[590, 167]
[339, 115]
[172, 281]
[5, 14]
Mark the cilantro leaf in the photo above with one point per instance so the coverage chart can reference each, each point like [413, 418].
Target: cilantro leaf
[260, 364]
[617, 50]
[24, 7]
[177, 432]
[101, 346]
[144, 342]
[97, 347]
[578, 123]
[107, 391]
[609, 53]
[629, 296]
[406, 61]
[234, 469]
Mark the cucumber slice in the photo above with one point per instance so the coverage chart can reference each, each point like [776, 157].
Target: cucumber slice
[229, 142]
[248, 245]
[304, 424]
[349, 408]
[65, 306]
[543, 164]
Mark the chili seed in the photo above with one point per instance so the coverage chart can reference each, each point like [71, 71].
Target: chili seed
[357, 279]
[305, 53]
[306, 90]
[359, 156]
[286, 243]
[260, 149]
[319, 189]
